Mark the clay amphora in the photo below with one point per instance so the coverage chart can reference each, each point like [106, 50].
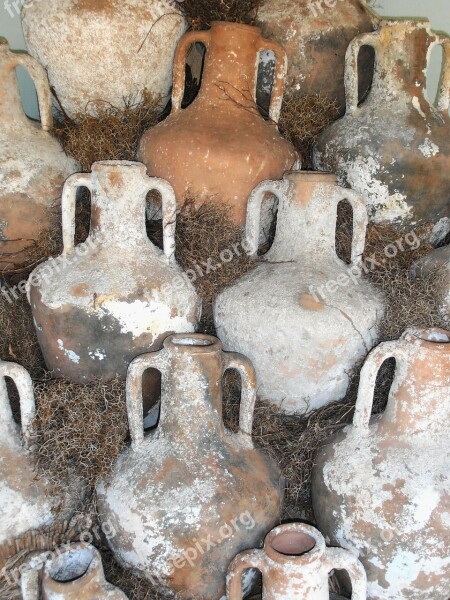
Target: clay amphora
[188, 497]
[103, 303]
[316, 36]
[26, 501]
[302, 316]
[394, 148]
[381, 487]
[103, 52]
[72, 572]
[437, 263]
[33, 166]
[219, 148]
[295, 564]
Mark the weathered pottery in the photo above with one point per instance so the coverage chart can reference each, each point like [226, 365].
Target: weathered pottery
[315, 35]
[437, 263]
[103, 303]
[26, 501]
[188, 497]
[103, 52]
[295, 563]
[302, 316]
[381, 487]
[33, 166]
[394, 148]
[219, 148]
[72, 572]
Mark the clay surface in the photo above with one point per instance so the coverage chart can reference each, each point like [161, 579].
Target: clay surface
[116, 296]
[315, 35]
[394, 148]
[303, 337]
[33, 166]
[103, 52]
[26, 502]
[381, 487]
[295, 563]
[190, 481]
[219, 148]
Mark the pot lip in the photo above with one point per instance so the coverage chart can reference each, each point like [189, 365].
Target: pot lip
[192, 343]
[405, 21]
[243, 26]
[108, 165]
[93, 570]
[295, 528]
[320, 176]
[433, 337]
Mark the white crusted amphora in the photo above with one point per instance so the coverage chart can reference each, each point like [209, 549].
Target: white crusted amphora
[302, 316]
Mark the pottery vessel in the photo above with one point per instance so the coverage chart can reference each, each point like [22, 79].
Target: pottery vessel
[103, 52]
[115, 296]
[315, 35]
[437, 263]
[295, 563]
[381, 487]
[26, 501]
[219, 148]
[394, 148]
[189, 496]
[33, 166]
[302, 316]
[72, 572]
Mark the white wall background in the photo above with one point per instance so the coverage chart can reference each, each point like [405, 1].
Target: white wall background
[438, 11]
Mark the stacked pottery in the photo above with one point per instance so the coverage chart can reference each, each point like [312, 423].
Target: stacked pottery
[219, 148]
[381, 486]
[73, 572]
[190, 480]
[295, 563]
[394, 148]
[103, 303]
[103, 52]
[33, 166]
[303, 316]
[26, 502]
[315, 35]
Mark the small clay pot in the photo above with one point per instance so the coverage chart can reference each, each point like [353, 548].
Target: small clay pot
[72, 572]
[295, 563]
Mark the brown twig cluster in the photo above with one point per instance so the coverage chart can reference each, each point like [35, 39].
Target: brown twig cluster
[201, 13]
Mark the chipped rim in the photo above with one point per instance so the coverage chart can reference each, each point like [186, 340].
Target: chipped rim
[193, 343]
[303, 531]
[432, 336]
[315, 176]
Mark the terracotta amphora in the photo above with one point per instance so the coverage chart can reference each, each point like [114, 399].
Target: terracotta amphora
[394, 148]
[381, 487]
[219, 148]
[295, 564]
[27, 502]
[315, 35]
[115, 296]
[437, 264]
[33, 166]
[302, 316]
[72, 572]
[188, 497]
[101, 53]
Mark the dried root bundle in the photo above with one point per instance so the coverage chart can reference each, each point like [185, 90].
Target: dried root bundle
[201, 13]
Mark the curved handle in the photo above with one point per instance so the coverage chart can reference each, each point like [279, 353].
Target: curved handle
[281, 68]
[233, 360]
[443, 97]
[351, 66]
[179, 64]
[24, 385]
[134, 400]
[251, 559]
[340, 559]
[254, 204]
[31, 575]
[40, 80]
[68, 207]
[360, 223]
[169, 213]
[369, 373]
